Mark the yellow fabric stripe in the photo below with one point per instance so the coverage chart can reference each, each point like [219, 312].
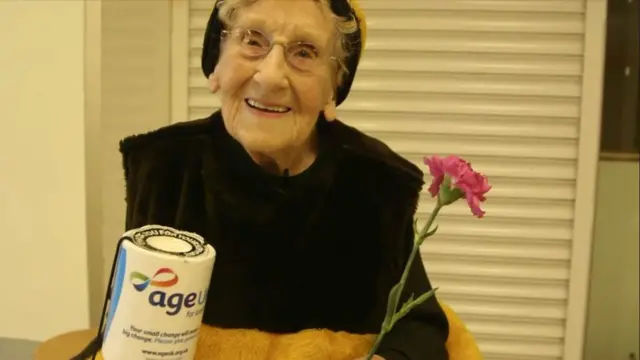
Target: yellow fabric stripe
[315, 344]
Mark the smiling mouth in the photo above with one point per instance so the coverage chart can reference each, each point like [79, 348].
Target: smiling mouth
[270, 109]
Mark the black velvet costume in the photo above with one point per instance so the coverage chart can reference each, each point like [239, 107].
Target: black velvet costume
[319, 250]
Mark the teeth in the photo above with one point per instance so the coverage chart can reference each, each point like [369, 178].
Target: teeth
[260, 106]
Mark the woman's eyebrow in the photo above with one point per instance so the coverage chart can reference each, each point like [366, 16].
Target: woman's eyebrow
[305, 35]
[302, 32]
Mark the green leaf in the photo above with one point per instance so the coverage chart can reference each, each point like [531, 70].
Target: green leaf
[409, 300]
[430, 233]
[392, 303]
[408, 306]
[421, 237]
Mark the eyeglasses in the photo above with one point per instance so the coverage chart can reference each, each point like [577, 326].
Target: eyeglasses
[302, 56]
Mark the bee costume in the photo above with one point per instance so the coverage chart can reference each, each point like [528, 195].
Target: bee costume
[305, 263]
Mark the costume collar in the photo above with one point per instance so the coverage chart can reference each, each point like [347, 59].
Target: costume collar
[230, 173]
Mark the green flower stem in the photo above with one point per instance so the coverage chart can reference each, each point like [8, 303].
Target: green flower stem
[410, 305]
[388, 324]
[419, 239]
[376, 345]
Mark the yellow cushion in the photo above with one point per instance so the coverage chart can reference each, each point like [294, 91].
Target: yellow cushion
[460, 344]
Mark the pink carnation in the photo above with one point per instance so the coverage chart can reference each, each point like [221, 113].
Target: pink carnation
[473, 184]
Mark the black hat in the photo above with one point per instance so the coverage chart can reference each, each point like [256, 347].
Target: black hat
[342, 8]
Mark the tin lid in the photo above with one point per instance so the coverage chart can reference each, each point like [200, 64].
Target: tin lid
[168, 240]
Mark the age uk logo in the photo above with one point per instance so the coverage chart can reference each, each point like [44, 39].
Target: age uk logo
[141, 281]
[172, 302]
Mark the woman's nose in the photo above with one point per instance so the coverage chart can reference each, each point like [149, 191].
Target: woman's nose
[272, 69]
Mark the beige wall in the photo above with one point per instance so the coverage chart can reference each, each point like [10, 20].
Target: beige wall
[43, 252]
[612, 330]
[135, 98]
[68, 84]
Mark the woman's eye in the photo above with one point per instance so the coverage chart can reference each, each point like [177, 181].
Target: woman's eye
[305, 52]
[252, 41]
[254, 38]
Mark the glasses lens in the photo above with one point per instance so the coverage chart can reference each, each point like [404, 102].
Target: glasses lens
[254, 43]
[302, 56]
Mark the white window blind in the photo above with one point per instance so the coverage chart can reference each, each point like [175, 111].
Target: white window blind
[499, 82]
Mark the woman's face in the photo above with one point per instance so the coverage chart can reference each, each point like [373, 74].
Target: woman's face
[271, 102]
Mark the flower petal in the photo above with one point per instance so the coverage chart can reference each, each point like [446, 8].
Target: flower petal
[437, 172]
[473, 184]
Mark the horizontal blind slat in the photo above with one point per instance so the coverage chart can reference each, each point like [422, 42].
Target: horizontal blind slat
[507, 289]
[462, 265]
[462, 124]
[505, 227]
[553, 330]
[502, 308]
[474, 42]
[544, 6]
[519, 168]
[444, 20]
[510, 348]
[516, 208]
[489, 248]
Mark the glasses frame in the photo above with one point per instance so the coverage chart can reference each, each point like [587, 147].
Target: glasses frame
[286, 45]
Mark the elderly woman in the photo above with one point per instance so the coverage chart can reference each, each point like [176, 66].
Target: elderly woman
[311, 218]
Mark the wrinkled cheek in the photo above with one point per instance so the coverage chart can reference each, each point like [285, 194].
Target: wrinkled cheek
[233, 72]
[312, 98]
